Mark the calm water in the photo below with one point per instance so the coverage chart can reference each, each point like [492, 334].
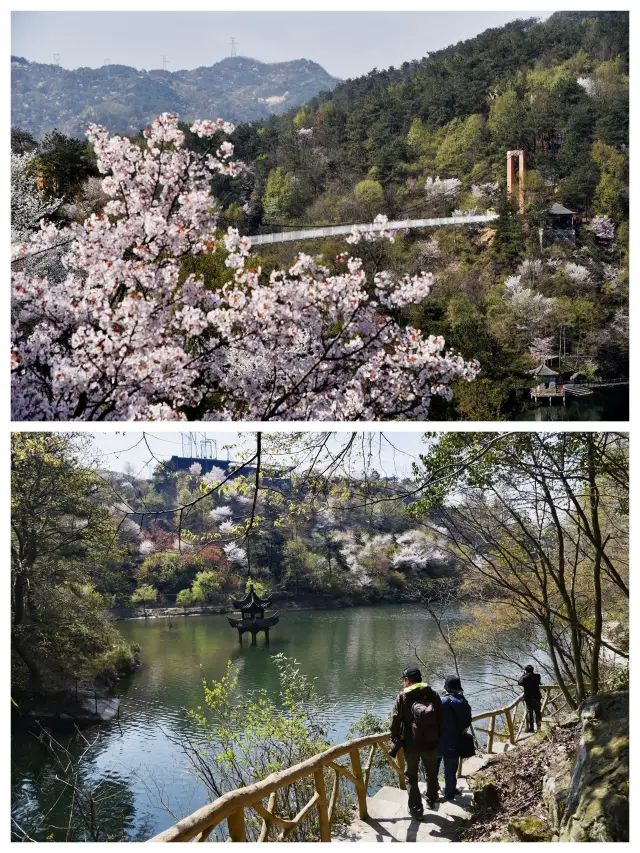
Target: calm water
[357, 656]
[609, 404]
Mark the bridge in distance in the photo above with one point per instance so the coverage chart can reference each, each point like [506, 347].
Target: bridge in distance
[333, 230]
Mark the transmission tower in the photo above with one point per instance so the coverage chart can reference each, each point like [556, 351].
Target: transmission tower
[106, 63]
[56, 58]
[165, 62]
[233, 46]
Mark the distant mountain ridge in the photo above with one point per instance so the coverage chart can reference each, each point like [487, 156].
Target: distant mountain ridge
[125, 99]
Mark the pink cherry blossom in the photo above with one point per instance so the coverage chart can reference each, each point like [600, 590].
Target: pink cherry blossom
[128, 332]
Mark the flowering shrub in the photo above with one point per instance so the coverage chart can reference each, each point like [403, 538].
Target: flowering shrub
[130, 333]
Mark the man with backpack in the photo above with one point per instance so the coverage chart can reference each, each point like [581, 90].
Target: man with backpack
[416, 723]
[530, 683]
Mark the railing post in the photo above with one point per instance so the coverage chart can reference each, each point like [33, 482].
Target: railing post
[512, 738]
[235, 822]
[492, 729]
[400, 763]
[360, 791]
[323, 809]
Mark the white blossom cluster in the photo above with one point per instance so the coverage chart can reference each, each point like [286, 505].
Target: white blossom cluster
[603, 227]
[531, 309]
[27, 207]
[441, 188]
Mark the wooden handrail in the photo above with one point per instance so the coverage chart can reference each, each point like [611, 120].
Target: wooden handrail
[510, 734]
[231, 806]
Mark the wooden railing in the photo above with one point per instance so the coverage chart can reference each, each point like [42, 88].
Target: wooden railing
[512, 728]
[231, 807]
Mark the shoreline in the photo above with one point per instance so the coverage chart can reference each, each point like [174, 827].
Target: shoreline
[123, 614]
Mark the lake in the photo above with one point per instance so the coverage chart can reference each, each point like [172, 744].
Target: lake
[357, 656]
[606, 404]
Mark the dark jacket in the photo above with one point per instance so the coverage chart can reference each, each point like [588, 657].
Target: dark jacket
[530, 683]
[401, 717]
[456, 717]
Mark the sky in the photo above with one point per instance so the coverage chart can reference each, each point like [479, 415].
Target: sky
[116, 451]
[346, 44]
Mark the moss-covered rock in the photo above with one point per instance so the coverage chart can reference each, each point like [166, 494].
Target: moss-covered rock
[527, 828]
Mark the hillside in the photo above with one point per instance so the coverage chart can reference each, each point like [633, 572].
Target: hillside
[125, 99]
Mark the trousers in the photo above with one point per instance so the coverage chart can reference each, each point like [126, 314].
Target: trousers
[429, 760]
[450, 775]
[533, 710]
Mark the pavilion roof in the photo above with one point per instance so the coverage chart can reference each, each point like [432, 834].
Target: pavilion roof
[560, 210]
[251, 601]
[543, 370]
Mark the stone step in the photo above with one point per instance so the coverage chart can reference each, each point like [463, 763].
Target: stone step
[389, 819]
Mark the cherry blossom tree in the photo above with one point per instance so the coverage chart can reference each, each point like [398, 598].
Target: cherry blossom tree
[133, 333]
[603, 227]
[542, 349]
[438, 188]
[532, 311]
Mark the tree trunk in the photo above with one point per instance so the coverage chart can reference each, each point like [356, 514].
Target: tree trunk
[597, 570]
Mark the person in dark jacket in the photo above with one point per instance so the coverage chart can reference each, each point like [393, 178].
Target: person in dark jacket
[403, 728]
[530, 683]
[456, 717]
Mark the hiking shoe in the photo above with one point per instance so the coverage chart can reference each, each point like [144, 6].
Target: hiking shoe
[416, 814]
[432, 803]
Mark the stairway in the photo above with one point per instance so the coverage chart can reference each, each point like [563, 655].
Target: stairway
[389, 818]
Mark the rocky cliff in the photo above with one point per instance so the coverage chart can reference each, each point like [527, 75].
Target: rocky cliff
[588, 796]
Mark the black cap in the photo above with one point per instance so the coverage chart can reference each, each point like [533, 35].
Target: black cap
[413, 674]
[452, 684]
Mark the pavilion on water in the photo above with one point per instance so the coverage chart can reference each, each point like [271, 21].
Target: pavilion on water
[253, 619]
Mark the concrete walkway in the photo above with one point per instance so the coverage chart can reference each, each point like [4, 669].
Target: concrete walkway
[389, 818]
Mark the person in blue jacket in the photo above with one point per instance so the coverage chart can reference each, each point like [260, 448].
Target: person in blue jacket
[456, 717]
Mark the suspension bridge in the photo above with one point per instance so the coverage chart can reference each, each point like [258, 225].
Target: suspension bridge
[398, 225]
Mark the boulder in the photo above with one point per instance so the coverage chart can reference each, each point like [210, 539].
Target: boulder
[486, 794]
[526, 828]
[591, 797]
[85, 710]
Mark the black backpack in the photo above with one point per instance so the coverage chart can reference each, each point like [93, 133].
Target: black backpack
[424, 724]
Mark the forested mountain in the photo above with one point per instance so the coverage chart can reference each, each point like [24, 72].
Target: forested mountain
[126, 99]
[431, 138]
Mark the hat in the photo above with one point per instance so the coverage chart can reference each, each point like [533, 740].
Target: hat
[528, 668]
[452, 684]
[413, 674]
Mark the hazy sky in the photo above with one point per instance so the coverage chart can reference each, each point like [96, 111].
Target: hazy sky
[346, 44]
[394, 454]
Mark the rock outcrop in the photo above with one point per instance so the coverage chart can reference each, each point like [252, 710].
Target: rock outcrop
[587, 797]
